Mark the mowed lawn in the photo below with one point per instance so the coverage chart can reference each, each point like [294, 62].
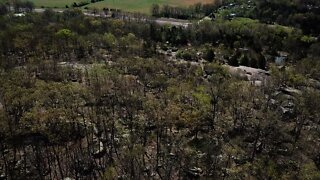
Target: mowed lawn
[143, 6]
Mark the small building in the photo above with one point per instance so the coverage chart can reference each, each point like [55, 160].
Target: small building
[280, 60]
[19, 15]
[210, 17]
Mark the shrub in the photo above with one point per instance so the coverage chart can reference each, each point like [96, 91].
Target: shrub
[187, 54]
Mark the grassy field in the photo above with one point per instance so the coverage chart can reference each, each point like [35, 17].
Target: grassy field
[53, 3]
[142, 6]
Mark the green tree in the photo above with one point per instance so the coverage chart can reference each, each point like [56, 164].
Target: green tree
[155, 10]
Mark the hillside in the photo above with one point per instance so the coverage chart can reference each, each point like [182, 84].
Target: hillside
[208, 91]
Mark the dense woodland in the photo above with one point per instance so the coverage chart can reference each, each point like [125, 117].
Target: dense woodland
[85, 97]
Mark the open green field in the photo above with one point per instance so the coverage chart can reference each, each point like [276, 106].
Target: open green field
[142, 6]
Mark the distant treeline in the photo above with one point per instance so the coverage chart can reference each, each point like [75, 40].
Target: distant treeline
[193, 11]
[17, 6]
[301, 14]
[84, 3]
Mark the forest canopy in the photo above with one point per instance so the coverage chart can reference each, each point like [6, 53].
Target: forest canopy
[231, 94]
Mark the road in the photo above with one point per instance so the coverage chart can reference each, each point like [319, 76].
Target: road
[173, 22]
